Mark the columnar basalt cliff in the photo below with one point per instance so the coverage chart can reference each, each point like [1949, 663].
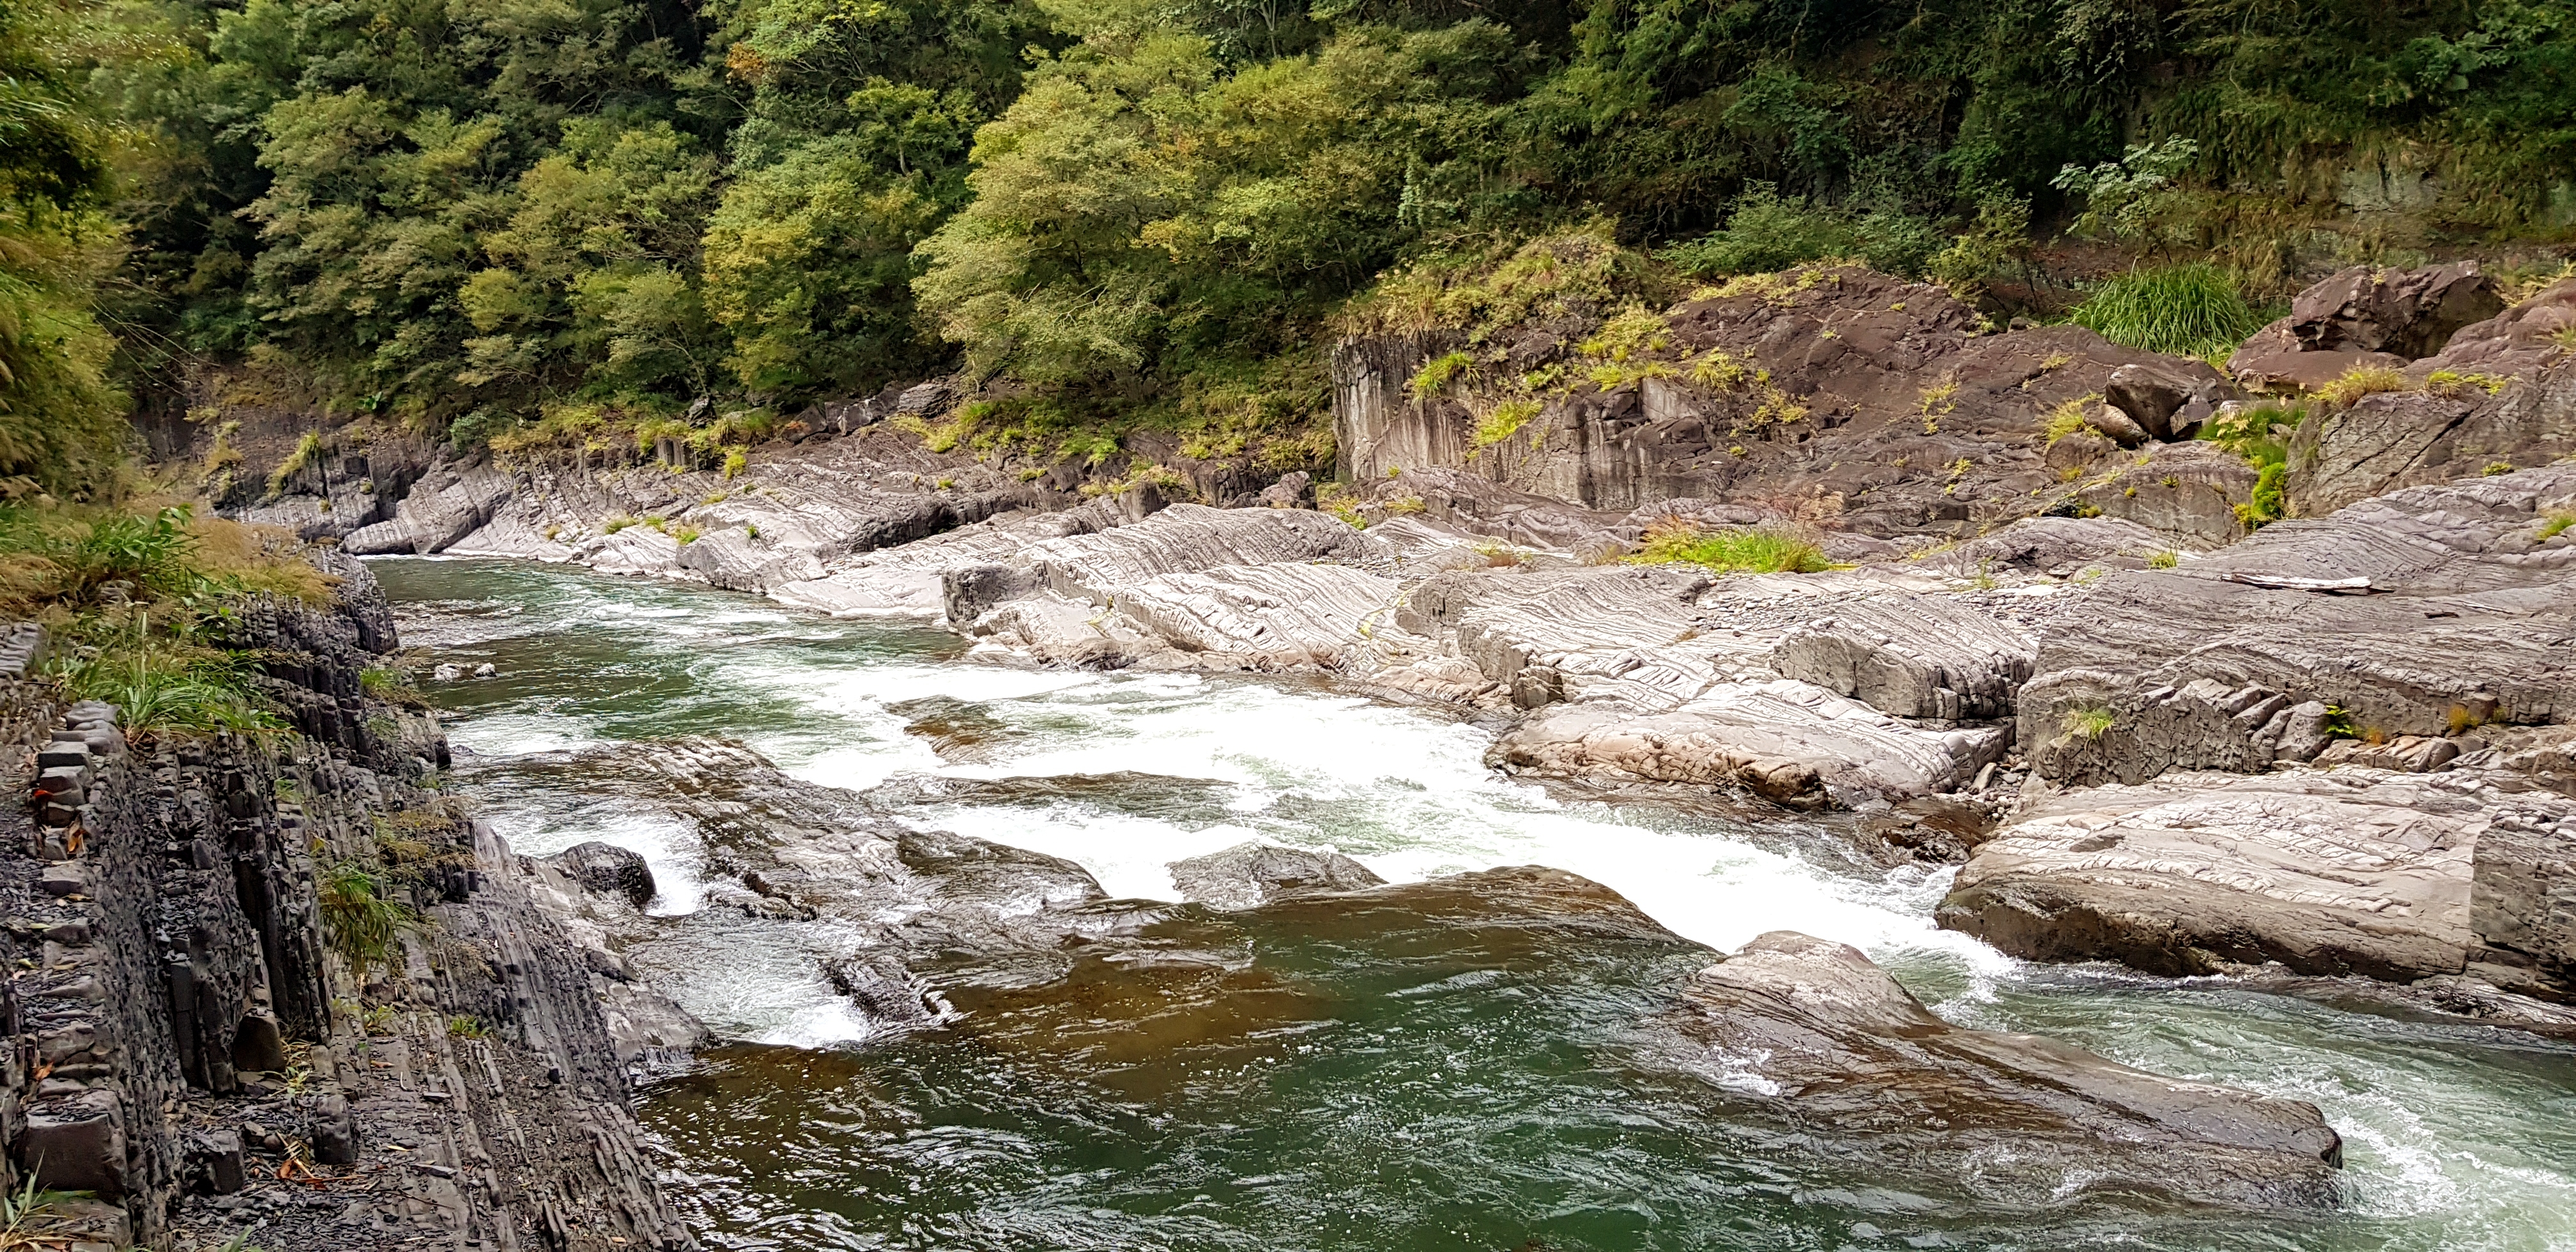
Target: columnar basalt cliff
[206, 1052]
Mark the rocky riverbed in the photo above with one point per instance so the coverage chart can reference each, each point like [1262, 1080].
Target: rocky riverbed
[2326, 760]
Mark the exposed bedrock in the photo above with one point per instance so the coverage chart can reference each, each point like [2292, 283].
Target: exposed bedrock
[2434, 612]
[2353, 871]
[1835, 395]
[2365, 316]
[198, 1012]
[1809, 1032]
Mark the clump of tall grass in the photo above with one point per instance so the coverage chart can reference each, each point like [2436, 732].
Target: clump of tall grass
[2186, 310]
[363, 921]
[159, 684]
[1734, 549]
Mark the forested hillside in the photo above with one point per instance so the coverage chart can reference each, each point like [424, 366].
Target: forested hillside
[473, 216]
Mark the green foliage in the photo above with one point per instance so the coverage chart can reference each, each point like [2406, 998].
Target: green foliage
[1503, 422]
[2132, 199]
[2188, 310]
[2359, 381]
[1747, 550]
[2556, 524]
[2163, 558]
[2090, 721]
[1142, 215]
[364, 924]
[1769, 232]
[1436, 374]
[2071, 416]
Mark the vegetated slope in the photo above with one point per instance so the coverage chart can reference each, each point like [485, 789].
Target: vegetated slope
[1123, 217]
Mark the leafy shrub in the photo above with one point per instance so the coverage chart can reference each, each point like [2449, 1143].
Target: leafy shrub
[1743, 549]
[2186, 310]
[1769, 232]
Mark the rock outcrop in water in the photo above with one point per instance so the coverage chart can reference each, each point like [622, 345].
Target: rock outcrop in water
[210, 1054]
[1810, 1033]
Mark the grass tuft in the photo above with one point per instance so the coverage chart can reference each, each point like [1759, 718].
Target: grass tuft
[1742, 549]
[363, 922]
[2186, 310]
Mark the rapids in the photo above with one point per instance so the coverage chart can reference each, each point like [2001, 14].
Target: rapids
[1310, 1085]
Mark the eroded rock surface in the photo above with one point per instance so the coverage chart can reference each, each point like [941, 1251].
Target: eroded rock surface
[1810, 1032]
[2353, 871]
[2418, 613]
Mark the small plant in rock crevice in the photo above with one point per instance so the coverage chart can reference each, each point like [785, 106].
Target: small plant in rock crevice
[364, 923]
[2556, 524]
[2090, 721]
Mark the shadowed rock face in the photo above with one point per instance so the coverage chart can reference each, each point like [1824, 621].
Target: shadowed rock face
[1812, 1033]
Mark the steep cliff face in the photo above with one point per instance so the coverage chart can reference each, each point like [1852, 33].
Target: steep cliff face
[209, 1041]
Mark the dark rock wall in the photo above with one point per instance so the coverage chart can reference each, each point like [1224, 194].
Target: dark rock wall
[191, 1048]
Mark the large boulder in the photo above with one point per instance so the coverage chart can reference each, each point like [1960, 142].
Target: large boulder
[1809, 1032]
[2350, 871]
[2363, 316]
[2409, 313]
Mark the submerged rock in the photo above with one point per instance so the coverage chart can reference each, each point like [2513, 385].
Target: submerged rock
[1811, 1033]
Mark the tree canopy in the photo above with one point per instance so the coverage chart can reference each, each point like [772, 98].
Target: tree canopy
[459, 212]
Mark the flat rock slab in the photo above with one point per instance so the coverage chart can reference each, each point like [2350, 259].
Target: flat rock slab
[1786, 741]
[1809, 1031]
[2352, 871]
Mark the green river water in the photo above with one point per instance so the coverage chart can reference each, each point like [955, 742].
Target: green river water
[1396, 1081]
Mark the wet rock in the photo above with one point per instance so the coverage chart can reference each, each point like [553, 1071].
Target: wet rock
[2354, 871]
[610, 870]
[1811, 1033]
[1251, 874]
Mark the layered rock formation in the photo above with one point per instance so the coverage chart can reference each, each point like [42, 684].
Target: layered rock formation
[210, 1050]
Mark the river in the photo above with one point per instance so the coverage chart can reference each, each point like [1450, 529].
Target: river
[1406, 1088]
